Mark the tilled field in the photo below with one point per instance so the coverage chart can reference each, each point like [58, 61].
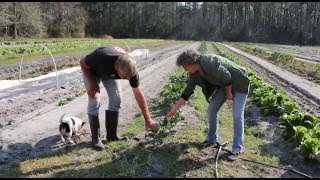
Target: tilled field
[304, 92]
[30, 121]
[30, 126]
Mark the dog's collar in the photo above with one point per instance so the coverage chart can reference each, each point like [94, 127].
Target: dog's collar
[73, 122]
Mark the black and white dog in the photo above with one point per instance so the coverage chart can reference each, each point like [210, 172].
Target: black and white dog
[69, 129]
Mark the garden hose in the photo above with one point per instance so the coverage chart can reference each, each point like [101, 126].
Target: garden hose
[217, 155]
[284, 168]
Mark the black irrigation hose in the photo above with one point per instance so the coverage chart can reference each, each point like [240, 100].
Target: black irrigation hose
[217, 155]
[290, 169]
[284, 168]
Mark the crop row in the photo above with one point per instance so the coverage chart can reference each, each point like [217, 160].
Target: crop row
[170, 94]
[301, 128]
[69, 45]
[286, 61]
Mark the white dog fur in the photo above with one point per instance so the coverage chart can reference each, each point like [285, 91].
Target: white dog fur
[69, 129]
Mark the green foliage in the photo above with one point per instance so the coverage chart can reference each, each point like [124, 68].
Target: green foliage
[64, 45]
[299, 128]
[174, 89]
[298, 118]
[71, 98]
[171, 93]
[62, 102]
[310, 148]
[165, 127]
[203, 47]
[271, 101]
[276, 56]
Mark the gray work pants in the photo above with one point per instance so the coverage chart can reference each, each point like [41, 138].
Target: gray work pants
[113, 89]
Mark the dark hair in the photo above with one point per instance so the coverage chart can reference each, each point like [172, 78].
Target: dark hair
[189, 56]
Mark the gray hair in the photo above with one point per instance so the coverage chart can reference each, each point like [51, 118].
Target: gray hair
[188, 57]
[127, 65]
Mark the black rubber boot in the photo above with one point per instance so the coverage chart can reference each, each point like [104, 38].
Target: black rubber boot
[95, 133]
[112, 125]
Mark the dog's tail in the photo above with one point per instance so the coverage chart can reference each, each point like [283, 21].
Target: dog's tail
[62, 116]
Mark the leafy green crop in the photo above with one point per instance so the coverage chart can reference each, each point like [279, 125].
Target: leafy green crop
[299, 128]
[310, 148]
[165, 127]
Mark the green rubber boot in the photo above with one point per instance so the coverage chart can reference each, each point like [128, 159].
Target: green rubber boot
[112, 125]
[95, 133]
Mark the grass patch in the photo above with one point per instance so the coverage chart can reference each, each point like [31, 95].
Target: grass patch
[135, 128]
[179, 156]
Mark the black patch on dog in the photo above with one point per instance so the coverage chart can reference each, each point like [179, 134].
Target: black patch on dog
[83, 123]
[64, 126]
[73, 121]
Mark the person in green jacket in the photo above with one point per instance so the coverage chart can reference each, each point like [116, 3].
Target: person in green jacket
[220, 80]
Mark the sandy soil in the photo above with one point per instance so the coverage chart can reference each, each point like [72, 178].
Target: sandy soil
[31, 121]
[30, 125]
[304, 92]
[310, 53]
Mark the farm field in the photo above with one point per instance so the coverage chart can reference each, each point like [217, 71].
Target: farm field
[303, 61]
[311, 53]
[29, 132]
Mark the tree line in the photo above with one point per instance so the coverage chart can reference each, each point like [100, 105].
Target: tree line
[271, 22]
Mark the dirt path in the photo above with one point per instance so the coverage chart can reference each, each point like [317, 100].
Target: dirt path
[305, 92]
[296, 57]
[37, 132]
[309, 53]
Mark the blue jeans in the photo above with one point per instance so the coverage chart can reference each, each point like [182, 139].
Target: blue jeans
[239, 101]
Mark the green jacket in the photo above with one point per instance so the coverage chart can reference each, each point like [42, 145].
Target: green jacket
[218, 72]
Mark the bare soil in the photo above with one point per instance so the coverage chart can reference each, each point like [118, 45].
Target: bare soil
[29, 123]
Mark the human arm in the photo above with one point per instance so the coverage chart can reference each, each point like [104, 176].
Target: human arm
[229, 92]
[141, 100]
[176, 107]
[188, 91]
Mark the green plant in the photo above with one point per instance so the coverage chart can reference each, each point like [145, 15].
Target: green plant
[165, 127]
[310, 148]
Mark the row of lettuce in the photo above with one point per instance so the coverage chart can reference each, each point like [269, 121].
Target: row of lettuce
[300, 128]
[71, 45]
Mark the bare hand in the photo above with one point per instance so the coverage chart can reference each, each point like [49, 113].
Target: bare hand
[93, 90]
[171, 113]
[152, 125]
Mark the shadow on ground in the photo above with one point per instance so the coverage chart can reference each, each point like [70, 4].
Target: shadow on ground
[163, 161]
[278, 146]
